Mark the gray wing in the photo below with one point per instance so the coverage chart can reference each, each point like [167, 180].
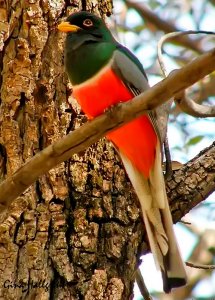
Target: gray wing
[131, 72]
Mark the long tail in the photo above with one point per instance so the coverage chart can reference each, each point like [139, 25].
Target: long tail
[158, 221]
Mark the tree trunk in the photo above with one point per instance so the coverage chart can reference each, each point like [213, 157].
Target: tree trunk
[76, 233]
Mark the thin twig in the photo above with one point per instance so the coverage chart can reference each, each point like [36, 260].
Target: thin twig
[142, 286]
[184, 222]
[170, 36]
[90, 132]
[185, 103]
[199, 266]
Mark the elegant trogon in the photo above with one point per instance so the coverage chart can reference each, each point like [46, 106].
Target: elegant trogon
[104, 73]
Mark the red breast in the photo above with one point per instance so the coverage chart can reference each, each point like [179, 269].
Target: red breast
[137, 139]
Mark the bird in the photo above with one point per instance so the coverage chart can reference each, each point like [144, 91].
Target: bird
[104, 73]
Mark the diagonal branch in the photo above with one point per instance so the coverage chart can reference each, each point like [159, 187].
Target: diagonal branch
[89, 133]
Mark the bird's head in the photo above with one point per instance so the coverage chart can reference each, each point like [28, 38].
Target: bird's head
[84, 27]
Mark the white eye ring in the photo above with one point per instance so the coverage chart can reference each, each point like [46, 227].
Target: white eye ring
[88, 23]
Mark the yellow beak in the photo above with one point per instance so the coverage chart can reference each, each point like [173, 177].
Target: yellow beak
[67, 27]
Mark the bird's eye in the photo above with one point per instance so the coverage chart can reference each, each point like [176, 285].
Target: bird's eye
[88, 23]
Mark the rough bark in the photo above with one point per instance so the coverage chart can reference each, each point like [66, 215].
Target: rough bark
[192, 183]
[71, 222]
[76, 233]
